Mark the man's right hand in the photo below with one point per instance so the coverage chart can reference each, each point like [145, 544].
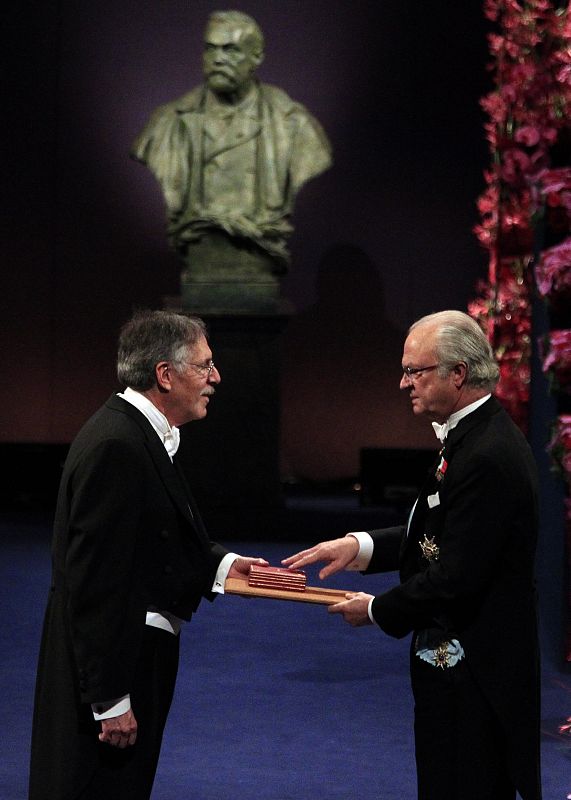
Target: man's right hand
[119, 731]
[337, 552]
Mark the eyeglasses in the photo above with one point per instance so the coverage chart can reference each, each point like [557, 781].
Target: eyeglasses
[204, 370]
[414, 372]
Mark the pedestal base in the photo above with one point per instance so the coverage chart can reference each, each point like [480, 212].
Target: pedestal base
[199, 297]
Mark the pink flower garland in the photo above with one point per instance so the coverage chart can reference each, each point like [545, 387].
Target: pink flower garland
[531, 62]
[560, 449]
[529, 112]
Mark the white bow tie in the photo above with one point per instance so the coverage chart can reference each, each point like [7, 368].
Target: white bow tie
[172, 440]
[441, 431]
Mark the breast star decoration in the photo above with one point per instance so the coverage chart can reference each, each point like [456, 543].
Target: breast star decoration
[442, 656]
[429, 548]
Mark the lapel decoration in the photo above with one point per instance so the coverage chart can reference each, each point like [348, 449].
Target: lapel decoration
[442, 467]
[429, 548]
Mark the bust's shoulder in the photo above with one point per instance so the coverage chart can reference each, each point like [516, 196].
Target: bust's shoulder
[281, 101]
[190, 101]
[160, 126]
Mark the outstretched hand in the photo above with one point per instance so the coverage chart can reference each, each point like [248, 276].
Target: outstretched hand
[338, 553]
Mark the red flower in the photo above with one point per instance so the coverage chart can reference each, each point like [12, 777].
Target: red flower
[553, 200]
[527, 135]
[560, 446]
[555, 180]
[558, 358]
[515, 164]
[495, 105]
[553, 271]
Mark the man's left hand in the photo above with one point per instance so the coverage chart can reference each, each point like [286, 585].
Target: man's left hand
[354, 609]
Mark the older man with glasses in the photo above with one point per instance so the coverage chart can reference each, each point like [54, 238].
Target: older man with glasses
[466, 563]
[131, 563]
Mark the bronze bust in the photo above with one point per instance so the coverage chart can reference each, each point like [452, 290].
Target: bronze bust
[230, 157]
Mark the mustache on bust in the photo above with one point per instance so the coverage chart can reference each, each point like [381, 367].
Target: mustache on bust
[226, 73]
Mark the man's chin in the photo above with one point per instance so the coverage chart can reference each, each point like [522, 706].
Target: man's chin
[203, 411]
[198, 412]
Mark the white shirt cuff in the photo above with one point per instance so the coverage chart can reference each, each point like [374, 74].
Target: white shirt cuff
[164, 621]
[366, 547]
[111, 708]
[370, 611]
[222, 572]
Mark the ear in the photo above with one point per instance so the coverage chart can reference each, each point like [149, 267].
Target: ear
[163, 377]
[459, 374]
[257, 58]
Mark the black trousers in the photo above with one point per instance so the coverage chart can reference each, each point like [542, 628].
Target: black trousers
[129, 774]
[460, 746]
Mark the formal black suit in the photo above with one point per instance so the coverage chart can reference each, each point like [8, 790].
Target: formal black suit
[479, 590]
[127, 538]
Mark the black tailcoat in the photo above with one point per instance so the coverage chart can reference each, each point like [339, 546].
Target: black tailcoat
[127, 538]
[481, 588]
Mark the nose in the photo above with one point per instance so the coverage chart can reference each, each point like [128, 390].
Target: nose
[405, 381]
[220, 55]
[214, 376]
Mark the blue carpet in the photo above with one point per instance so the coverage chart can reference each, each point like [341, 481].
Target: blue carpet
[275, 701]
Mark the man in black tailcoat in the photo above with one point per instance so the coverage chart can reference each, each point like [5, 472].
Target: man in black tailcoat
[466, 562]
[131, 562]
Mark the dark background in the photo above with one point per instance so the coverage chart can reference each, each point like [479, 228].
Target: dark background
[380, 239]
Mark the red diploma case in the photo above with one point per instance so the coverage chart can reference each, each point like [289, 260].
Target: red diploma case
[281, 584]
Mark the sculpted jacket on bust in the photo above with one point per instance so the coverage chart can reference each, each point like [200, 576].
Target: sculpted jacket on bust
[239, 172]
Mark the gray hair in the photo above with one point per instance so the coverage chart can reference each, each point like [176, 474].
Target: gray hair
[153, 336]
[238, 19]
[460, 338]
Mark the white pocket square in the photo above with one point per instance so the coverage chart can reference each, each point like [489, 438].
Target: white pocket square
[433, 500]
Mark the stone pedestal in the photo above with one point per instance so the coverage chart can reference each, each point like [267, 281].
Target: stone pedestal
[227, 275]
[232, 456]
